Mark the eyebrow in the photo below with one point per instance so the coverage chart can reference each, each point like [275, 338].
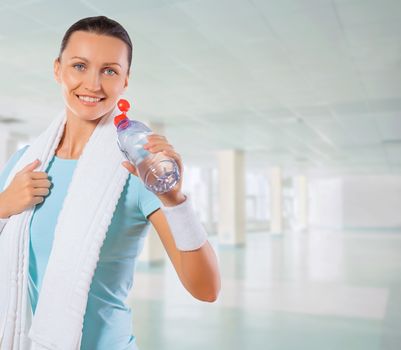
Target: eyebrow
[105, 64]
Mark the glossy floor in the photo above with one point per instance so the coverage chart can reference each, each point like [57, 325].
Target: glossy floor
[316, 290]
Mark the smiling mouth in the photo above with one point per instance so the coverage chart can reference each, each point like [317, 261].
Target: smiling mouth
[90, 99]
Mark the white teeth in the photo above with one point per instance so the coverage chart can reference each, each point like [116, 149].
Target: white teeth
[89, 99]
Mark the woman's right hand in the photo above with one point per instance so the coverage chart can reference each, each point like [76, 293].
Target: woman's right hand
[27, 189]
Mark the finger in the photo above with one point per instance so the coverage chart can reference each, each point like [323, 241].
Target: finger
[159, 147]
[30, 167]
[130, 167]
[157, 141]
[40, 191]
[41, 183]
[173, 154]
[176, 157]
[39, 175]
[156, 137]
[37, 200]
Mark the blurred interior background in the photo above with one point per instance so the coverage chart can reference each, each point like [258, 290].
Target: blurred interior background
[288, 117]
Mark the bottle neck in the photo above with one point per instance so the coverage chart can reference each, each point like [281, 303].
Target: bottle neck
[123, 124]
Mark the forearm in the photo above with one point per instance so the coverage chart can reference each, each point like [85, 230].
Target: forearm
[191, 254]
[200, 273]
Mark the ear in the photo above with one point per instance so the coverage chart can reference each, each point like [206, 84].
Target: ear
[56, 70]
[126, 82]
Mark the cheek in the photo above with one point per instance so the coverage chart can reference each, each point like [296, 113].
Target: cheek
[113, 86]
[70, 80]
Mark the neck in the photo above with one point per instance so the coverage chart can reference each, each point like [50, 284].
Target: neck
[76, 134]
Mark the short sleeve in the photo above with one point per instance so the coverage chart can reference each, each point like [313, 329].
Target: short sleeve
[6, 170]
[148, 202]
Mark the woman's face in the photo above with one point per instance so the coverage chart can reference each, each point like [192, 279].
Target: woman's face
[93, 73]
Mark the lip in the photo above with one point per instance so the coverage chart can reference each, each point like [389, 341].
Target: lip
[88, 103]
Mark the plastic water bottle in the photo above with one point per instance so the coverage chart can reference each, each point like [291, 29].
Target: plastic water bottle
[158, 172]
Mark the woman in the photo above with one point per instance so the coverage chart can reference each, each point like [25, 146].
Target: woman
[93, 69]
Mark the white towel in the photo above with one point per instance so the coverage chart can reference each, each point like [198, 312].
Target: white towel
[86, 214]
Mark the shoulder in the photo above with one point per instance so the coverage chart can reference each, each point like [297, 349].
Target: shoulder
[145, 200]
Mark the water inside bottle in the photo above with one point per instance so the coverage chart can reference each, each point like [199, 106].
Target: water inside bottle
[159, 173]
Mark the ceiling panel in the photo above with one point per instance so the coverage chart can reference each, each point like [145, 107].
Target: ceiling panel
[302, 83]
[389, 126]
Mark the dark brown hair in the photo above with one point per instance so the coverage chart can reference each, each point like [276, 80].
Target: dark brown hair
[101, 25]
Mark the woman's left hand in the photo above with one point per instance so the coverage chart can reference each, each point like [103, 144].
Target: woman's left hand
[158, 143]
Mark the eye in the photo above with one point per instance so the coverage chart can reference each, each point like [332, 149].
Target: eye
[79, 66]
[110, 71]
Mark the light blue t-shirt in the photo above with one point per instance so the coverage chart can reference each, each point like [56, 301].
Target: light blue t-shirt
[108, 320]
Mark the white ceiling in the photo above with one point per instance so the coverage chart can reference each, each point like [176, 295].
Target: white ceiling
[300, 83]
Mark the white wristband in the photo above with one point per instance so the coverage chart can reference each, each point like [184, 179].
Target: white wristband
[187, 230]
[3, 223]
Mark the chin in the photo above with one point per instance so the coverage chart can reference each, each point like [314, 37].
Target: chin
[90, 113]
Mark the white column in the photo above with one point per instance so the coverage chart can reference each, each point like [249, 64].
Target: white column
[153, 250]
[231, 217]
[301, 204]
[276, 201]
[208, 177]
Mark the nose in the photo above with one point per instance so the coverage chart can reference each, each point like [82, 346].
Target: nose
[92, 81]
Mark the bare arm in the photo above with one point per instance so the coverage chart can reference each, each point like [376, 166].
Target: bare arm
[198, 270]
